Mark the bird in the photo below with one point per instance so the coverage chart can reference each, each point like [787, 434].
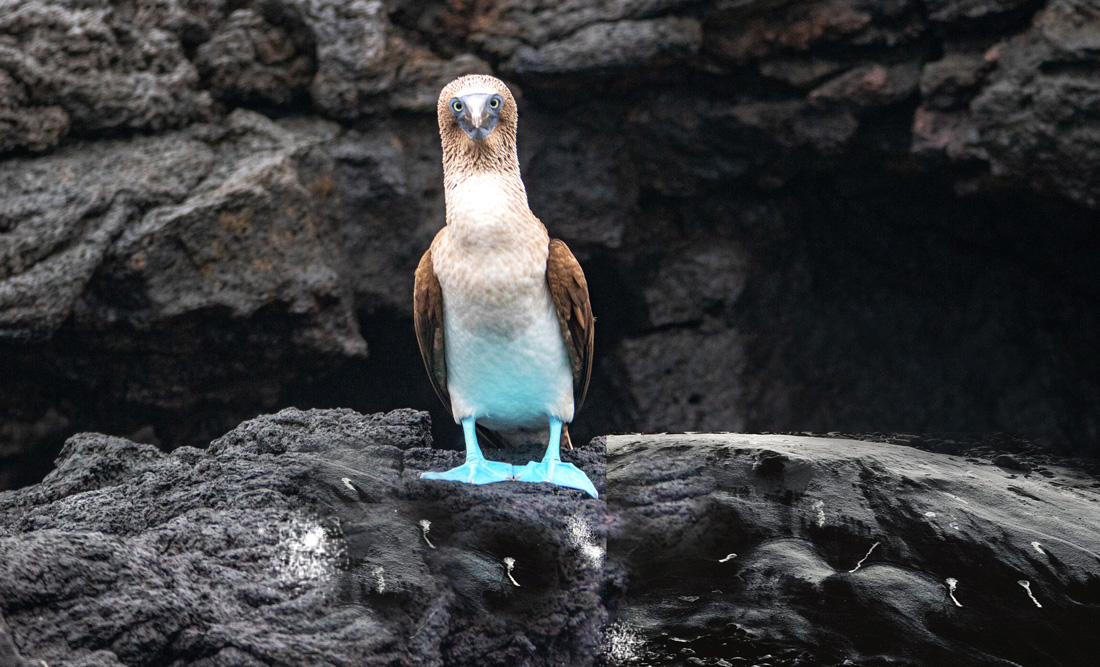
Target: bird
[501, 311]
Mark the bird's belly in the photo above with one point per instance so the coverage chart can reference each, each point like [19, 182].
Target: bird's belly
[509, 377]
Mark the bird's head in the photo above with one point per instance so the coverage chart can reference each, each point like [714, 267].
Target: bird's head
[477, 112]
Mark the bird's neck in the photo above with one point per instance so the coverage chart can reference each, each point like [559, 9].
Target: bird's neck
[466, 162]
[487, 204]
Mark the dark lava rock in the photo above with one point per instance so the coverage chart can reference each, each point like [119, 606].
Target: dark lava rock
[258, 59]
[307, 537]
[218, 218]
[297, 538]
[363, 66]
[1032, 121]
[85, 67]
[198, 243]
[9, 655]
[759, 547]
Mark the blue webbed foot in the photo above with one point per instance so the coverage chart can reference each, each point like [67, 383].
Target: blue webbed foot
[559, 473]
[552, 469]
[475, 472]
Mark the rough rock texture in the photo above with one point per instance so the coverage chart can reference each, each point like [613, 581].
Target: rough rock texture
[819, 551]
[863, 215]
[202, 256]
[1032, 123]
[300, 537]
[295, 538]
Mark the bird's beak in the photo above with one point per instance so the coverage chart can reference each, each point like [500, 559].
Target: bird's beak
[476, 115]
[477, 119]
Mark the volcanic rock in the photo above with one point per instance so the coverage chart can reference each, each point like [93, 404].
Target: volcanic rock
[308, 536]
[298, 537]
[821, 551]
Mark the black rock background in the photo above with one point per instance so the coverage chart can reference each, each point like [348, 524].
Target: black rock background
[836, 215]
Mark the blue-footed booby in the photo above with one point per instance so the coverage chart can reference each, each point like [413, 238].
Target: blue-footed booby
[501, 310]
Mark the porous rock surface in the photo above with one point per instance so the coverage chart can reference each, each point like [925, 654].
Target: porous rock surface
[299, 538]
[294, 539]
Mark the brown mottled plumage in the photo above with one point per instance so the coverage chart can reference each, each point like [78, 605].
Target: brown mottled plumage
[497, 154]
[488, 216]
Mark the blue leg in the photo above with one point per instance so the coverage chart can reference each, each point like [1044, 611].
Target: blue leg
[552, 469]
[476, 470]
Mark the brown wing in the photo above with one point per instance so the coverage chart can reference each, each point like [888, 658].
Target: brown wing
[570, 292]
[428, 319]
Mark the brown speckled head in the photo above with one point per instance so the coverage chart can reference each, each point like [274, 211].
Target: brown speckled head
[471, 148]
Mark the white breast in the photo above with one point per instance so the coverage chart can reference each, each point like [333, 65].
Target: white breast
[486, 200]
[506, 362]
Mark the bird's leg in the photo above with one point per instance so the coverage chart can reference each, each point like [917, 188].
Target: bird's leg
[476, 470]
[552, 469]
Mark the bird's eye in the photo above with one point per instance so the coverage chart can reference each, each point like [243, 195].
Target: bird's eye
[494, 103]
[456, 106]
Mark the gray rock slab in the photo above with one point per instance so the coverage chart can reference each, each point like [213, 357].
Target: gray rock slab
[877, 553]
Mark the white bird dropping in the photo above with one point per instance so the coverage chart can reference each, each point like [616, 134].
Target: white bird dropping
[1027, 587]
[510, 563]
[425, 526]
[864, 559]
[952, 584]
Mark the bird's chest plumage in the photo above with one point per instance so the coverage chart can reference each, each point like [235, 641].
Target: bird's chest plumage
[495, 295]
[506, 361]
